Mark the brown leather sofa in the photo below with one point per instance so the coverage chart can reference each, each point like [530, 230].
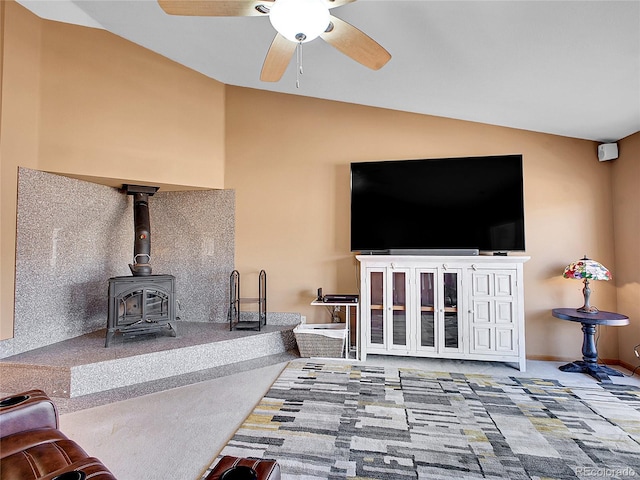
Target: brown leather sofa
[235, 468]
[32, 447]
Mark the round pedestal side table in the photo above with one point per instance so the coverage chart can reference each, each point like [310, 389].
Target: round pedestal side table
[589, 362]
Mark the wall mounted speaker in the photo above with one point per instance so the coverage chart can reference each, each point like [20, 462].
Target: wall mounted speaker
[607, 151]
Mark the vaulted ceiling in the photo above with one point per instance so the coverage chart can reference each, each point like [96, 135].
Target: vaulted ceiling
[569, 68]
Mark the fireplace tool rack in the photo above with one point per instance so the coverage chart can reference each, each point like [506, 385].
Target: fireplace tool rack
[235, 301]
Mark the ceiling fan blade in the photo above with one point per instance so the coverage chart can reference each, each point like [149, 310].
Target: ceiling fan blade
[337, 3]
[278, 58]
[355, 44]
[215, 8]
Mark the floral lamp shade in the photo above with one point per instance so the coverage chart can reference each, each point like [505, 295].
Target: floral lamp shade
[586, 269]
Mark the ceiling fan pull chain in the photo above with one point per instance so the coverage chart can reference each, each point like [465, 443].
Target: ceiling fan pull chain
[299, 70]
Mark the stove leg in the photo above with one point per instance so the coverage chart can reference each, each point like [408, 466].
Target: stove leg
[172, 331]
[110, 335]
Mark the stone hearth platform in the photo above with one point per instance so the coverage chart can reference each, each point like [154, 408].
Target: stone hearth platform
[82, 366]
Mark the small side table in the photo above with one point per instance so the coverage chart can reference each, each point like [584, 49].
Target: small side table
[589, 362]
[349, 347]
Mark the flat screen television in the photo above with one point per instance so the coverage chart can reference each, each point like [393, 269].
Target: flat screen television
[438, 205]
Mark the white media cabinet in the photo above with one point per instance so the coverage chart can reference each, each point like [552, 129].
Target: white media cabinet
[461, 307]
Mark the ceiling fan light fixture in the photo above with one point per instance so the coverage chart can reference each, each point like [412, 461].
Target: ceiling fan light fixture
[299, 20]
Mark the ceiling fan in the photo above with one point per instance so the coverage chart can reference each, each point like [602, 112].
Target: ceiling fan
[297, 22]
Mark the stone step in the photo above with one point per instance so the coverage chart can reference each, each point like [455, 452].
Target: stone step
[83, 366]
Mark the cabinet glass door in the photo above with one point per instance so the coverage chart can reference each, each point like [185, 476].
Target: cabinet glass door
[376, 282]
[451, 321]
[399, 306]
[427, 310]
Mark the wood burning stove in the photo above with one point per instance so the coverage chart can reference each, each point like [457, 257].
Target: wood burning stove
[142, 303]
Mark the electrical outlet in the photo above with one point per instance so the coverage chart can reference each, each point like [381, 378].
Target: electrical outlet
[303, 319]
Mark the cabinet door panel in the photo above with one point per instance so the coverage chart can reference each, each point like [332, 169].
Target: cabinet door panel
[482, 339]
[481, 284]
[504, 284]
[399, 308]
[481, 311]
[451, 330]
[376, 307]
[377, 328]
[505, 341]
[451, 319]
[504, 312]
[377, 288]
[427, 329]
[427, 295]
[399, 328]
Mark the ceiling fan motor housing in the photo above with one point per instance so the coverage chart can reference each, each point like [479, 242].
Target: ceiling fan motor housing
[299, 21]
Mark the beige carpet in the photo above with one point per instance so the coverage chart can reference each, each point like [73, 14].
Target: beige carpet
[174, 434]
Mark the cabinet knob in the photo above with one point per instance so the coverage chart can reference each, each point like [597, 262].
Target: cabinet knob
[444, 265]
[473, 266]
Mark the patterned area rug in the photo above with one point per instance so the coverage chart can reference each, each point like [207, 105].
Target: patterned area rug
[341, 421]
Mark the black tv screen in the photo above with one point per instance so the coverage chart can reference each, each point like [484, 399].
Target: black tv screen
[470, 203]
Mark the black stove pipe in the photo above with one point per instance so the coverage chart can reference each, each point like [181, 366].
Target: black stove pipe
[142, 225]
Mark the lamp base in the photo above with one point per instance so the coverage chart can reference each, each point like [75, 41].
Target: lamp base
[587, 309]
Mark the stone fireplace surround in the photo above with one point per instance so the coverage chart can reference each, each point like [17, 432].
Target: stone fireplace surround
[73, 235]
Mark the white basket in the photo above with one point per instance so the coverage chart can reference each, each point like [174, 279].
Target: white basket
[325, 340]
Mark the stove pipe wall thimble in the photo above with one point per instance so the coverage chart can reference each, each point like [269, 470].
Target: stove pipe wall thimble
[142, 242]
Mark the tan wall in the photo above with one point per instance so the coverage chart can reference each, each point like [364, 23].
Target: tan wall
[18, 134]
[292, 202]
[626, 208]
[112, 109]
[85, 102]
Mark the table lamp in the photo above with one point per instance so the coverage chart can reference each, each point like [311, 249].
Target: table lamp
[587, 269]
